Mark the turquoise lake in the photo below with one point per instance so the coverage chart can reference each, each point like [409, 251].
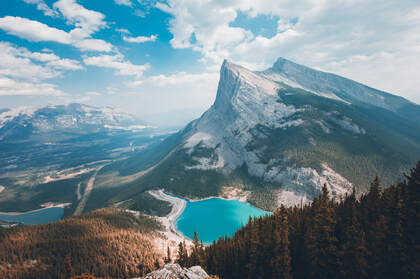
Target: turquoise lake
[214, 218]
[42, 216]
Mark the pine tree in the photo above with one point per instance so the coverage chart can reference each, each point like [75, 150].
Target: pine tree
[182, 258]
[68, 268]
[281, 263]
[321, 242]
[374, 237]
[168, 256]
[412, 227]
[354, 251]
[196, 255]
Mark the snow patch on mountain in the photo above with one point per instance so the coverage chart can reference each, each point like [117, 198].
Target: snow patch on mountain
[72, 116]
[10, 114]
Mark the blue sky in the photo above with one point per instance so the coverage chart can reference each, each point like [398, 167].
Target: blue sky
[160, 58]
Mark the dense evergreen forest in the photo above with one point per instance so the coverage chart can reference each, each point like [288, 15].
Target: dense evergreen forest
[374, 236]
[107, 243]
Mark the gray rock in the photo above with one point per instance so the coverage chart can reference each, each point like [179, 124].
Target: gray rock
[175, 271]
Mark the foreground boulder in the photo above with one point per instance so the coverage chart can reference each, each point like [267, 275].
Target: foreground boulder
[175, 271]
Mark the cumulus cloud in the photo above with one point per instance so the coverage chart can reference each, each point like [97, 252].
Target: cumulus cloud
[33, 30]
[22, 72]
[40, 5]
[39, 32]
[86, 21]
[321, 34]
[94, 45]
[11, 87]
[116, 62]
[204, 27]
[140, 39]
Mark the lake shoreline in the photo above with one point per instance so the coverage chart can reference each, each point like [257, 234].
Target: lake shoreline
[169, 221]
[62, 205]
[179, 205]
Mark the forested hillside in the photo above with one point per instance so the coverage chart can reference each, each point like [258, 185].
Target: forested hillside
[107, 243]
[376, 236]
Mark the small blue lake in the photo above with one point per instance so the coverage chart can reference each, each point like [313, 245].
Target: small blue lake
[42, 216]
[214, 218]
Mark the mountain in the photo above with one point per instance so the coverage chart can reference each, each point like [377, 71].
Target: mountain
[24, 123]
[375, 236]
[48, 154]
[282, 133]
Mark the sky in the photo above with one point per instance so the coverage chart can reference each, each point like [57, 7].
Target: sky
[160, 60]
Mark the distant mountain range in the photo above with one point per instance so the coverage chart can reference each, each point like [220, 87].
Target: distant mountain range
[47, 154]
[282, 133]
[24, 123]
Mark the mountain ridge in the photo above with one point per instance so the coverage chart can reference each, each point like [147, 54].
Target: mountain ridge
[282, 140]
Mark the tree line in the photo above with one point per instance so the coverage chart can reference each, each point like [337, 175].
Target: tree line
[375, 235]
[107, 243]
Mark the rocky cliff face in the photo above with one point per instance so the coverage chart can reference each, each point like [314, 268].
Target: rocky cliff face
[291, 129]
[245, 101]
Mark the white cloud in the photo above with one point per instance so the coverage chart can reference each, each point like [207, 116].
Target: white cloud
[86, 21]
[18, 57]
[22, 72]
[94, 45]
[33, 30]
[11, 87]
[16, 63]
[36, 31]
[140, 39]
[122, 30]
[322, 34]
[116, 62]
[65, 64]
[123, 2]
[181, 94]
[204, 27]
[40, 5]
[179, 79]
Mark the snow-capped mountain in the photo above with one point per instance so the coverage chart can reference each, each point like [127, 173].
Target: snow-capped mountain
[22, 123]
[284, 132]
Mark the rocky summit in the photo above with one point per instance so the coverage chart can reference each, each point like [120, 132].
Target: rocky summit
[285, 132]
